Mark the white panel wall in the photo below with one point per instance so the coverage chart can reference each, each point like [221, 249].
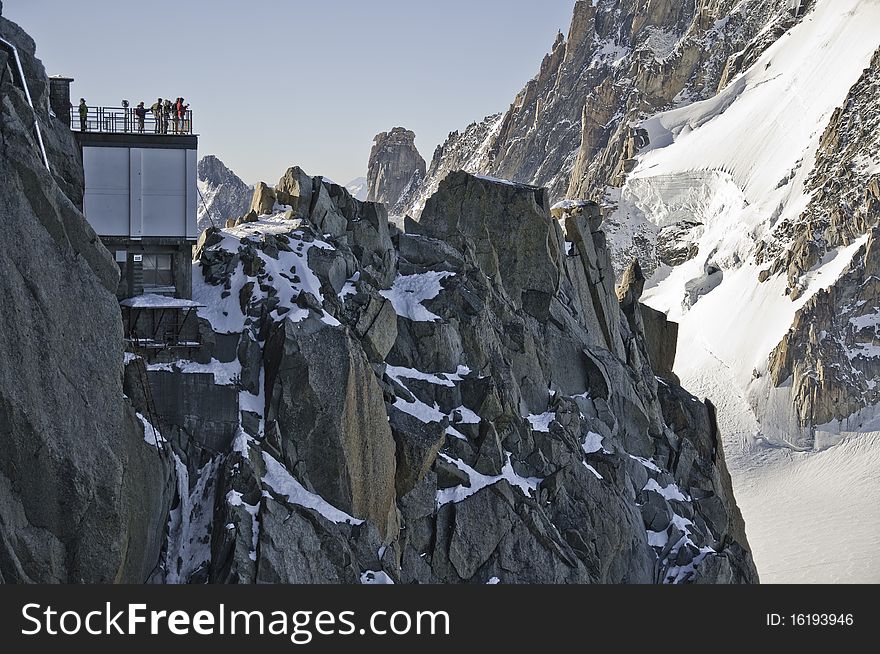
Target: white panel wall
[141, 192]
[135, 201]
[106, 200]
[163, 180]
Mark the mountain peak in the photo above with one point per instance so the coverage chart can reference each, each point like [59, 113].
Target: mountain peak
[223, 194]
[395, 166]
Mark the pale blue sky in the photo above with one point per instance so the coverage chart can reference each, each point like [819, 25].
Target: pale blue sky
[277, 83]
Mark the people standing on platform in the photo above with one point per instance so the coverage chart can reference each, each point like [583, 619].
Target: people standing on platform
[167, 109]
[83, 114]
[156, 108]
[140, 113]
[182, 108]
[175, 115]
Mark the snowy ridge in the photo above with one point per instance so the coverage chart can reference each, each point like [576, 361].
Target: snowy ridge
[222, 307]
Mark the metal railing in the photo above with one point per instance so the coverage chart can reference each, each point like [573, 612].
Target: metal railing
[124, 120]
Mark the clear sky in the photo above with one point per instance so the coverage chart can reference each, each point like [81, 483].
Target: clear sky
[309, 82]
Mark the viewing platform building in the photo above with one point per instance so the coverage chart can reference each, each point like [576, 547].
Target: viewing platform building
[141, 199]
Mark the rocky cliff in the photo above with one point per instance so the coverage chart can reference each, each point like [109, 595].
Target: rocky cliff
[627, 80]
[830, 354]
[223, 194]
[466, 401]
[395, 168]
[83, 497]
[733, 148]
[570, 128]
[752, 214]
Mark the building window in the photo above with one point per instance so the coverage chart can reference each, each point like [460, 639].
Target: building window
[157, 271]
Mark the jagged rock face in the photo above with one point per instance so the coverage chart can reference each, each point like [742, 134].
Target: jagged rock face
[844, 187]
[395, 167]
[410, 384]
[83, 497]
[830, 355]
[224, 195]
[569, 128]
[492, 233]
[666, 53]
[460, 151]
[326, 400]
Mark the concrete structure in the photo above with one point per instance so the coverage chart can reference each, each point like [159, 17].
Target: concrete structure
[141, 198]
[59, 97]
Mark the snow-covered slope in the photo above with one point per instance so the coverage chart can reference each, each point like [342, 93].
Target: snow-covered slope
[709, 193]
[811, 516]
[737, 165]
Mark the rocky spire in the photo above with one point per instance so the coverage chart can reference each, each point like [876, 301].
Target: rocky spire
[395, 165]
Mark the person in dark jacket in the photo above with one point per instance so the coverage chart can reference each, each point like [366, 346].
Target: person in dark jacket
[156, 108]
[83, 114]
[140, 113]
[167, 110]
[175, 115]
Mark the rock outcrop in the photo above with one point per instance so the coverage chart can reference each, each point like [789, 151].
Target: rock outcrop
[322, 392]
[83, 495]
[223, 194]
[830, 357]
[464, 400]
[394, 169]
[396, 388]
